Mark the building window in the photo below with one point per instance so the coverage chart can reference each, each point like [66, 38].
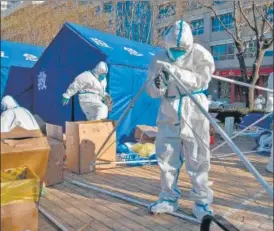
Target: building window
[250, 50]
[197, 27]
[268, 53]
[108, 7]
[227, 20]
[268, 9]
[223, 52]
[163, 31]
[166, 10]
[218, 2]
[110, 23]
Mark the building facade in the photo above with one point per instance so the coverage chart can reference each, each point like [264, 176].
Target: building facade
[208, 31]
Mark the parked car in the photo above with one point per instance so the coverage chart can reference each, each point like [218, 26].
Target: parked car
[219, 104]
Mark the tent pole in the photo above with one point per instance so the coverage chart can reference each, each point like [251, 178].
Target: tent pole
[52, 219]
[131, 200]
[241, 83]
[247, 163]
[129, 107]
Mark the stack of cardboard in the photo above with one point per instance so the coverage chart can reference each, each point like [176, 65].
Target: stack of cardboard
[83, 141]
[145, 134]
[27, 150]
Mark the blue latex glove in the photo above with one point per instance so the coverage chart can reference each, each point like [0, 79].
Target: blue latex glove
[65, 101]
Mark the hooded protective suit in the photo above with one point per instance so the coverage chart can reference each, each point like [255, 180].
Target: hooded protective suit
[269, 102]
[13, 115]
[91, 86]
[259, 103]
[183, 131]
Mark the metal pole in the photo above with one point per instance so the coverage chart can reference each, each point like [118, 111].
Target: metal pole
[249, 166]
[52, 219]
[242, 131]
[127, 162]
[241, 83]
[129, 107]
[129, 199]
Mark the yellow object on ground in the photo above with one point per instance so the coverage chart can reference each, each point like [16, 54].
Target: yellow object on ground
[144, 150]
[19, 185]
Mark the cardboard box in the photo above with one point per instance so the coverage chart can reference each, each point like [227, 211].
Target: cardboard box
[83, 141]
[145, 134]
[55, 169]
[21, 147]
[19, 217]
[26, 186]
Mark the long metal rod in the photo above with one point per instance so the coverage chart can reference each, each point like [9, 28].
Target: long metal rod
[127, 162]
[242, 131]
[52, 219]
[129, 107]
[241, 83]
[129, 199]
[247, 163]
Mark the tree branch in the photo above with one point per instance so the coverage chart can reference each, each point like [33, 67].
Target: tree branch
[264, 18]
[255, 22]
[245, 17]
[223, 25]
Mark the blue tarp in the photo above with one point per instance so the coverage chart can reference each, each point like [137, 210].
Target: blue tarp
[76, 49]
[17, 55]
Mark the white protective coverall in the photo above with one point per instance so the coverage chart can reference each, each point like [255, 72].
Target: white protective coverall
[183, 131]
[259, 103]
[92, 91]
[269, 102]
[13, 115]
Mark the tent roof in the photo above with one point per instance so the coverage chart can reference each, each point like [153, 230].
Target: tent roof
[119, 51]
[19, 54]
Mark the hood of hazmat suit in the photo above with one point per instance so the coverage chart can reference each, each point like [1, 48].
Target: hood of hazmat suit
[269, 103]
[91, 86]
[183, 130]
[259, 102]
[13, 115]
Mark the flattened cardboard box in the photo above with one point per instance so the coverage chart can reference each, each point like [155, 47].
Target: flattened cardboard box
[21, 147]
[83, 141]
[55, 169]
[19, 217]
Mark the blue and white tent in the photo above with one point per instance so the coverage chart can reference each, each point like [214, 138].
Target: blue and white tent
[16, 62]
[76, 49]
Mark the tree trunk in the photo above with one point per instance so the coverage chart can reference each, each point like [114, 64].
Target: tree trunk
[255, 76]
[241, 60]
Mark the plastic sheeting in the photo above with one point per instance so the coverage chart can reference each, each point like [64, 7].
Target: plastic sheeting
[252, 117]
[76, 49]
[18, 55]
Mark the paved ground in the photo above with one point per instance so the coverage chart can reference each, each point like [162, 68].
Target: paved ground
[238, 197]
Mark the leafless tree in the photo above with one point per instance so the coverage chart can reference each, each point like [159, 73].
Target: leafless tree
[255, 17]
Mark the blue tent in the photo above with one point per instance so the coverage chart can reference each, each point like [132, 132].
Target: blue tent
[76, 49]
[17, 55]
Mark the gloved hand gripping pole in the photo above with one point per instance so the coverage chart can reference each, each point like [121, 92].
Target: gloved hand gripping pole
[248, 165]
[129, 107]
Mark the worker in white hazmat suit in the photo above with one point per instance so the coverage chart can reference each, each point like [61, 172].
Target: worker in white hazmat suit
[183, 131]
[269, 102]
[13, 115]
[91, 86]
[259, 103]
